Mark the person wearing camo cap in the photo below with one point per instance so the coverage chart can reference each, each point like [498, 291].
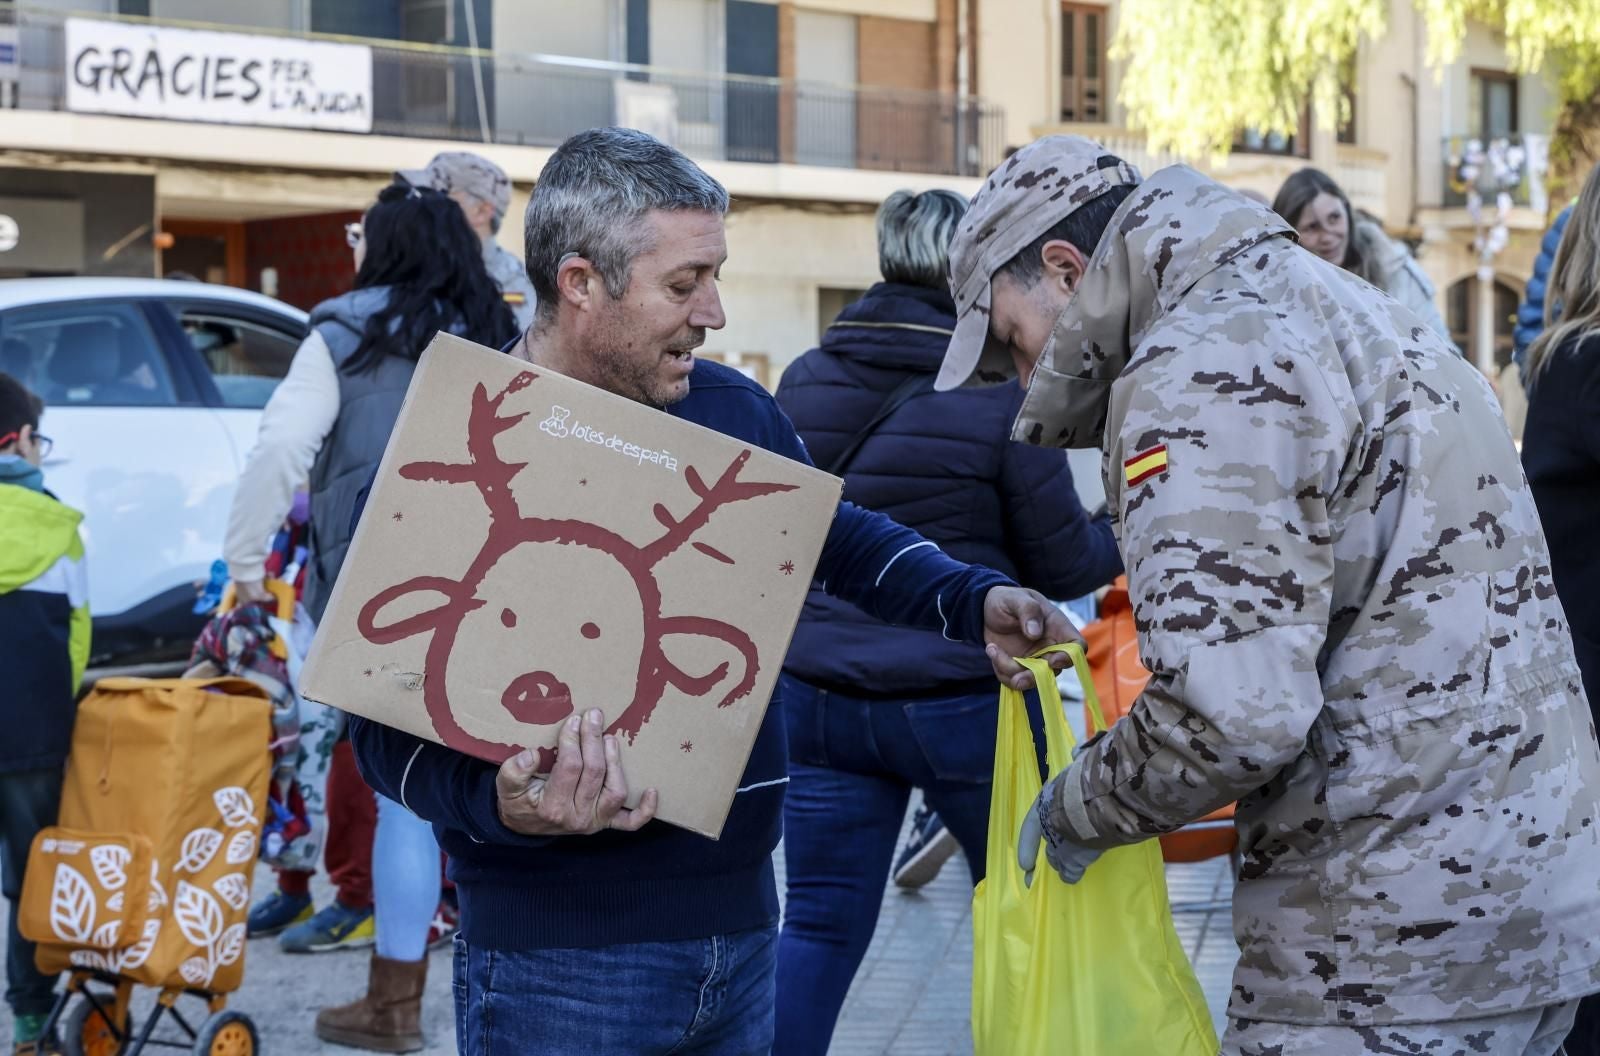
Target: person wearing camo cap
[483, 190]
[1343, 594]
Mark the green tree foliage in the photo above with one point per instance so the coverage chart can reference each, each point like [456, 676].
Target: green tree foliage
[1198, 71]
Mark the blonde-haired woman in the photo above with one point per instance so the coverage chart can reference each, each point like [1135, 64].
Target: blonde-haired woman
[1561, 441]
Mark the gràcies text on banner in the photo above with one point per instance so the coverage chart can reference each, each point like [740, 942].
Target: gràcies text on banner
[237, 78]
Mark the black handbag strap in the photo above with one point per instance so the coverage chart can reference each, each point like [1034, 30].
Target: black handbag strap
[915, 385]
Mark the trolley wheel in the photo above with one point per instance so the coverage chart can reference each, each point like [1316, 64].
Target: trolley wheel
[85, 1031]
[227, 1033]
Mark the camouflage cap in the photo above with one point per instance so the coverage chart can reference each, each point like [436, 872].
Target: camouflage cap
[1033, 190]
[460, 170]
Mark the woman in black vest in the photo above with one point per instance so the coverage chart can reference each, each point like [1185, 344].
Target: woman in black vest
[419, 270]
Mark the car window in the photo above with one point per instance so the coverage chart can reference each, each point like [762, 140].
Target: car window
[247, 360]
[86, 355]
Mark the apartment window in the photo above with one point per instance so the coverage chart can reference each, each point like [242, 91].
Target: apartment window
[1083, 62]
[825, 57]
[1296, 145]
[1461, 313]
[427, 79]
[751, 39]
[357, 18]
[1347, 103]
[1492, 104]
[687, 35]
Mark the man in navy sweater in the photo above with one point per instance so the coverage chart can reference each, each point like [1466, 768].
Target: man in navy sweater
[584, 929]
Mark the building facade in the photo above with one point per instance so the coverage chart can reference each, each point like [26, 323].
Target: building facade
[810, 111]
[232, 139]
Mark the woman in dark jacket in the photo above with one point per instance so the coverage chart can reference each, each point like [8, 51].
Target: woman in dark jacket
[874, 710]
[1561, 454]
[1561, 441]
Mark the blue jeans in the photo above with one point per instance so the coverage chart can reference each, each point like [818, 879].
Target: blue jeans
[852, 765]
[29, 801]
[706, 997]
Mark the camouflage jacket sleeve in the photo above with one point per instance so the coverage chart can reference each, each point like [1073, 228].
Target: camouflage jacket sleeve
[1221, 459]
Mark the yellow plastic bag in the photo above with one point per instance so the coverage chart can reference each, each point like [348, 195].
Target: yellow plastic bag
[1086, 969]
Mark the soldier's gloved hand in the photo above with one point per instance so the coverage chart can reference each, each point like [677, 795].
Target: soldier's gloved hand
[1068, 859]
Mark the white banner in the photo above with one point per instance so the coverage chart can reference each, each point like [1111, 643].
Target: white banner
[231, 78]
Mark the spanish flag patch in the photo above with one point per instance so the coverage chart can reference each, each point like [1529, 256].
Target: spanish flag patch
[1145, 464]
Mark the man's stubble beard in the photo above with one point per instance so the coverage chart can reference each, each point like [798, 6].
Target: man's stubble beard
[627, 377]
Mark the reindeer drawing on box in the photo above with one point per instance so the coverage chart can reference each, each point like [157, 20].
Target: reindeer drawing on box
[523, 549]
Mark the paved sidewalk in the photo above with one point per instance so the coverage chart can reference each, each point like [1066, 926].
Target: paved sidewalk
[913, 991]
[909, 999]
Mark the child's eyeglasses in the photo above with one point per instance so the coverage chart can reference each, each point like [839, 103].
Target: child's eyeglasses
[44, 442]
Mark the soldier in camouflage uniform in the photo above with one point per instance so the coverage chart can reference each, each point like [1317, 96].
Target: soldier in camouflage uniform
[1343, 596]
[483, 190]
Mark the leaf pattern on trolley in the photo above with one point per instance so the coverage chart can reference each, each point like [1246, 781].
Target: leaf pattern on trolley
[105, 936]
[234, 889]
[110, 865]
[235, 806]
[241, 847]
[196, 971]
[89, 959]
[71, 906]
[158, 894]
[139, 952]
[197, 913]
[199, 847]
[114, 903]
[230, 946]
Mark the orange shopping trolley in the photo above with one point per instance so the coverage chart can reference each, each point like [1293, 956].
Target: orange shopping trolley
[146, 880]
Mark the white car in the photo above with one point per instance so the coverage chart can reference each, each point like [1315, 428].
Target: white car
[152, 392]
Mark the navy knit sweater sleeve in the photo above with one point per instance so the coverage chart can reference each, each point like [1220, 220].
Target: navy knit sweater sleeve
[457, 791]
[891, 572]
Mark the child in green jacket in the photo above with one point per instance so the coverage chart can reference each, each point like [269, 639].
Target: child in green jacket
[44, 608]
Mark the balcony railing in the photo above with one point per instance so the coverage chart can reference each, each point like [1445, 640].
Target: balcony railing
[1482, 169]
[1362, 173]
[540, 100]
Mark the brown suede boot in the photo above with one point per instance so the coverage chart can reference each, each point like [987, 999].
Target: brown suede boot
[388, 1018]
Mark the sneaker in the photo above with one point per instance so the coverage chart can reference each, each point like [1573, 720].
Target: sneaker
[928, 848]
[336, 927]
[42, 1047]
[276, 912]
[27, 1032]
[446, 922]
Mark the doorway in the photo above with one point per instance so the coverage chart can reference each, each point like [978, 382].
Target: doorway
[209, 250]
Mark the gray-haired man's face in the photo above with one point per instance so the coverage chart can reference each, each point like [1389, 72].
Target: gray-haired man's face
[641, 345]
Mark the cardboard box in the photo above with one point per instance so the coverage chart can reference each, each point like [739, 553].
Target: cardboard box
[535, 546]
